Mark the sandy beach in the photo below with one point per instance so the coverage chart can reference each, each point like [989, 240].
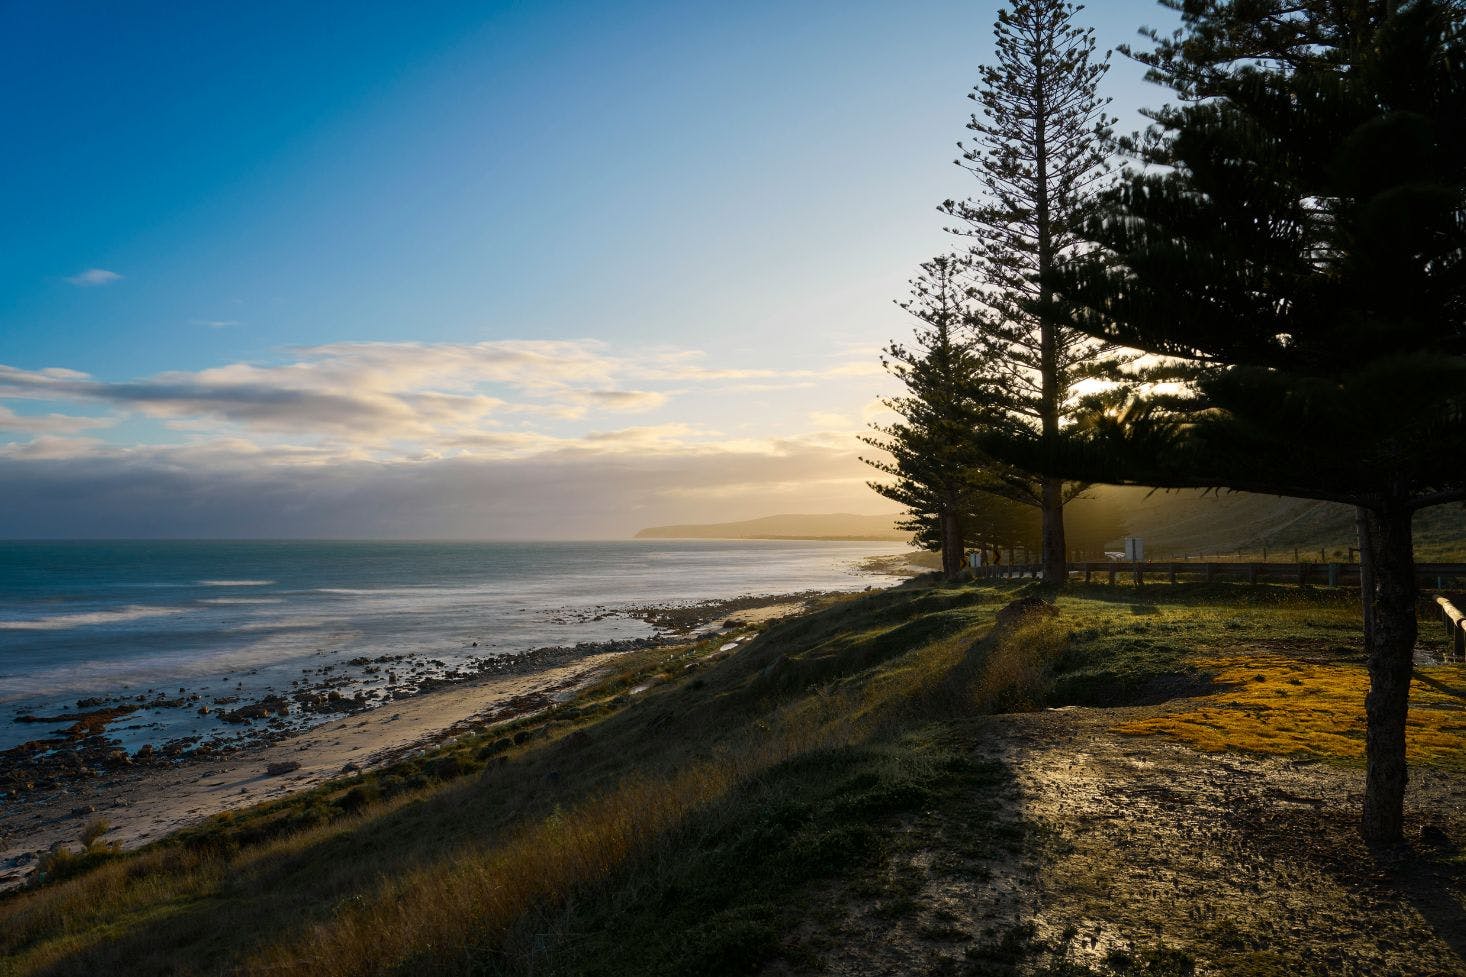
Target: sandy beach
[145, 803]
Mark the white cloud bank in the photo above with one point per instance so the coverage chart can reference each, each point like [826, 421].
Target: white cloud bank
[570, 493]
[500, 439]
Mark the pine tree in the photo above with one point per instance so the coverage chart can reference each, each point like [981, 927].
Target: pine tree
[1297, 248]
[935, 466]
[1040, 148]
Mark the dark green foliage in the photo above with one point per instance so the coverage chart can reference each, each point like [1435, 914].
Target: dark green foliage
[1302, 250]
[1040, 147]
[934, 464]
[1297, 248]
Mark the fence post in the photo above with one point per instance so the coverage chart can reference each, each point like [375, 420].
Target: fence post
[1173, 573]
[1333, 574]
[1112, 574]
[1252, 573]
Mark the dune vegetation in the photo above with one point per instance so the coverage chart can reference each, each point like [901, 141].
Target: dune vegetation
[727, 807]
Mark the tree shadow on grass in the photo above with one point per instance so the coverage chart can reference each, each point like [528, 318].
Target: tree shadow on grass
[1433, 883]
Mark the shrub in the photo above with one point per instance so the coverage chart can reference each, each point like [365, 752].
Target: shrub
[63, 863]
[1019, 670]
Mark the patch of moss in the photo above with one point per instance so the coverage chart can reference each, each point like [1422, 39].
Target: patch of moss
[1277, 705]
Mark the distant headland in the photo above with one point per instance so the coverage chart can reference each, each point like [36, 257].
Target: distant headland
[836, 526]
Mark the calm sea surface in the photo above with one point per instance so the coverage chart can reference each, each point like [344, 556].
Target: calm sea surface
[84, 619]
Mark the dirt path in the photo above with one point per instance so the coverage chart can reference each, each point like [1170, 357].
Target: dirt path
[1123, 845]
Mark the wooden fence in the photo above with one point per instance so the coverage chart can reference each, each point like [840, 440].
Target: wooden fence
[1437, 575]
[1455, 623]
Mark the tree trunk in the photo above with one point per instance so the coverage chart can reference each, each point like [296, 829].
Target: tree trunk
[1055, 548]
[1052, 549]
[1391, 662]
[951, 545]
[1366, 574]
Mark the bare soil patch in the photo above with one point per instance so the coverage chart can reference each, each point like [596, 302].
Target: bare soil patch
[1135, 854]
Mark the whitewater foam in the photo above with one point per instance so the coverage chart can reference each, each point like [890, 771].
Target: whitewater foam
[116, 615]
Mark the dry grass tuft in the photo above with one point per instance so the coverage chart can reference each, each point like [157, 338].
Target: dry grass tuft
[445, 910]
[446, 913]
[1018, 671]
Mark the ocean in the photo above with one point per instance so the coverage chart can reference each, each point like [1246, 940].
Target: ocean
[140, 621]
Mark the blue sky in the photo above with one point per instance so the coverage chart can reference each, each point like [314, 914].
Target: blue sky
[295, 239]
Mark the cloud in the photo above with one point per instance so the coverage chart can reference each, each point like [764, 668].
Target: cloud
[368, 393]
[93, 277]
[688, 365]
[229, 490]
[214, 323]
[522, 438]
[628, 400]
[403, 398]
[49, 423]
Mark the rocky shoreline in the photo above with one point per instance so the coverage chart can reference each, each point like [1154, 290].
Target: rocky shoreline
[80, 746]
[142, 798]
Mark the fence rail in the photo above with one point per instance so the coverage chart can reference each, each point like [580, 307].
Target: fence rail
[1439, 575]
[1455, 623]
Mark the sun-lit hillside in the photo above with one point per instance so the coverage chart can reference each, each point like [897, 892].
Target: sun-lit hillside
[1179, 524]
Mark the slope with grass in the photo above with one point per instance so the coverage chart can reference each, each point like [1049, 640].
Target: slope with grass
[1196, 523]
[903, 781]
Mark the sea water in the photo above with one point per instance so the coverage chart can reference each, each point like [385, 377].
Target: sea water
[81, 620]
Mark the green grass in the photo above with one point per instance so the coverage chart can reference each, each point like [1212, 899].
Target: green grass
[727, 906]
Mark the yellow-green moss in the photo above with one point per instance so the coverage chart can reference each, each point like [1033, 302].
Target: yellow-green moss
[1272, 704]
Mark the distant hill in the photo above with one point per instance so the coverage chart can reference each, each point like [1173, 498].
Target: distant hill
[836, 526]
[1190, 522]
[1172, 523]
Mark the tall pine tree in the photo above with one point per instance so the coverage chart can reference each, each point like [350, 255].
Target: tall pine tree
[1041, 145]
[934, 466]
[1297, 245]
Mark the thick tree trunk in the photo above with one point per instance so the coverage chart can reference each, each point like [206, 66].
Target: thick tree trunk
[1391, 663]
[951, 545]
[1055, 547]
[1366, 574]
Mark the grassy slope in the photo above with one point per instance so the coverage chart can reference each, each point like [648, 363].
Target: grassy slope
[1194, 523]
[687, 828]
